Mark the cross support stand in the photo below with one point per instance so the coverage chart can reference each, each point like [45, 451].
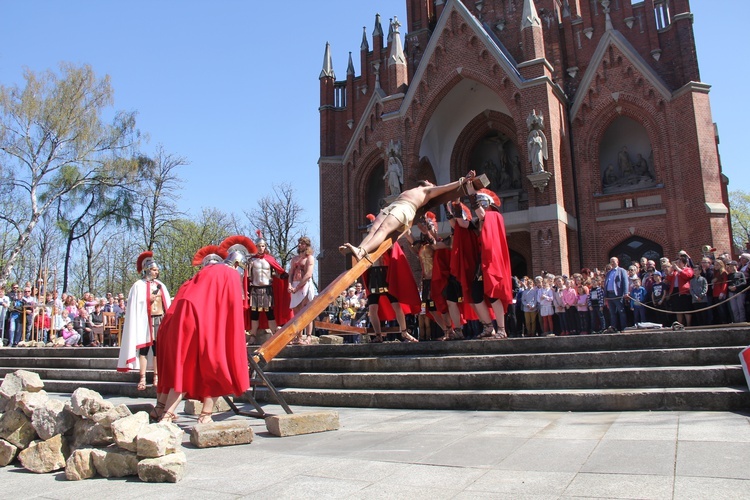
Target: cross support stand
[257, 372]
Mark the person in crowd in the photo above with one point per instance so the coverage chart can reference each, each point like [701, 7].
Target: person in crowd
[82, 325]
[699, 296]
[530, 300]
[582, 306]
[97, 325]
[659, 295]
[707, 271]
[559, 305]
[71, 307]
[72, 337]
[59, 319]
[148, 300]
[547, 308]
[736, 283]
[679, 281]
[29, 305]
[4, 308]
[596, 306]
[615, 288]
[719, 291]
[570, 299]
[637, 298]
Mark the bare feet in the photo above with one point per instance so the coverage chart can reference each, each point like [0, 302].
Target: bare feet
[348, 248]
[142, 384]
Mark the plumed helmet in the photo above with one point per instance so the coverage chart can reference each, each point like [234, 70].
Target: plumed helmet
[260, 239]
[238, 248]
[145, 262]
[465, 212]
[431, 216]
[485, 196]
[210, 254]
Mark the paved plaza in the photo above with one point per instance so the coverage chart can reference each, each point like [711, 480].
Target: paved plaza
[414, 454]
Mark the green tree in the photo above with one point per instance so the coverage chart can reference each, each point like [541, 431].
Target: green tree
[739, 203]
[174, 250]
[54, 140]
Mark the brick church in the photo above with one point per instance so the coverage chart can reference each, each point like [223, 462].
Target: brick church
[589, 117]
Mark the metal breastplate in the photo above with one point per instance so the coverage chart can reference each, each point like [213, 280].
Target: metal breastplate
[260, 272]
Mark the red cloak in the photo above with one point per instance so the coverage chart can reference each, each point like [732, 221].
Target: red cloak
[401, 285]
[201, 347]
[441, 269]
[463, 265]
[496, 273]
[281, 296]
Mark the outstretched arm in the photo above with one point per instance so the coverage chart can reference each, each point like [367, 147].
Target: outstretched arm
[436, 191]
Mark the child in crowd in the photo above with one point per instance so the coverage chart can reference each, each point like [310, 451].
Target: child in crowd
[582, 306]
[596, 303]
[530, 301]
[560, 305]
[637, 298]
[547, 308]
[699, 295]
[659, 292]
[72, 338]
[570, 298]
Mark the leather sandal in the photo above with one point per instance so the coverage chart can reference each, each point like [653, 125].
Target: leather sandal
[406, 337]
[157, 412]
[168, 417]
[205, 418]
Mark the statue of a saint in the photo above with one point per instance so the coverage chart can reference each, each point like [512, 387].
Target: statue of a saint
[394, 175]
[537, 150]
[623, 161]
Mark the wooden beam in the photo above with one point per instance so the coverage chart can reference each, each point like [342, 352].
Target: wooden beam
[336, 327]
[479, 182]
[273, 346]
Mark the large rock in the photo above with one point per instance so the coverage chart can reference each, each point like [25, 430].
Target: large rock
[302, 423]
[115, 462]
[29, 401]
[87, 403]
[167, 469]
[20, 380]
[126, 430]
[8, 452]
[16, 428]
[106, 418]
[88, 434]
[227, 433]
[157, 440]
[45, 456]
[194, 407]
[52, 418]
[80, 465]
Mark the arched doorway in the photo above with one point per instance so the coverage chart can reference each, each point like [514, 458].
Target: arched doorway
[635, 247]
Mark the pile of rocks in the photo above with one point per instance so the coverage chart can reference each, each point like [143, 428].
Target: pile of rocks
[86, 435]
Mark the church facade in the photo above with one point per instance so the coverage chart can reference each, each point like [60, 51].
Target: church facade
[588, 117]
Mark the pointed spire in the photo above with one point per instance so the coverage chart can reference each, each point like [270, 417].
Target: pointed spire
[390, 31]
[364, 46]
[529, 17]
[397, 51]
[327, 64]
[607, 18]
[350, 68]
[378, 31]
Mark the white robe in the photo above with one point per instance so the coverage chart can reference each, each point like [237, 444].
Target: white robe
[136, 332]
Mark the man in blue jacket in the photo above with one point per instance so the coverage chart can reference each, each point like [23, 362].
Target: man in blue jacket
[615, 287]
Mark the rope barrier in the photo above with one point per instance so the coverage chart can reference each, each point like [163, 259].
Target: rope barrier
[691, 311]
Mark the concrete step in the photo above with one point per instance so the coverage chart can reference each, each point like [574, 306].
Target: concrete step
[609, 378]
[459, 362]
[107, 388]
[66, 362]
[673, 399]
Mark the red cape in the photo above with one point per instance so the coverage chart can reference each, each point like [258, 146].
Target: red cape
[441, 269]
[464, 261]
[201, 347]
[496, 273]
[401, 285]
[281, 297]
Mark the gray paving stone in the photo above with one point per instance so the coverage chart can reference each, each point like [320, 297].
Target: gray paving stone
[620, 486]
[632, 457]
[545, 455]
[713, 459]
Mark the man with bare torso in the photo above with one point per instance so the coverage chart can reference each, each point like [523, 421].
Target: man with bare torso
[399, 215]
[300, 283]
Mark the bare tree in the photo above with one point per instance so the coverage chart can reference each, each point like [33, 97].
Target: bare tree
[739, 201]
[159, 191]
[279, 218]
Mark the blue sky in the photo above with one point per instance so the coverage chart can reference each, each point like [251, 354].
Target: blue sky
[233, 85]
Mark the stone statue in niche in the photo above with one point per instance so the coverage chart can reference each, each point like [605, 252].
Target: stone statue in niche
[537, 142]
[394, 173]
[625, 174]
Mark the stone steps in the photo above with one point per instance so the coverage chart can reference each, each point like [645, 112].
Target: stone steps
[657, 370]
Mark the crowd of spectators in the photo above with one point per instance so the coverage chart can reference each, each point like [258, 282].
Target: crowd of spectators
[646, 294]
[29, 314]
